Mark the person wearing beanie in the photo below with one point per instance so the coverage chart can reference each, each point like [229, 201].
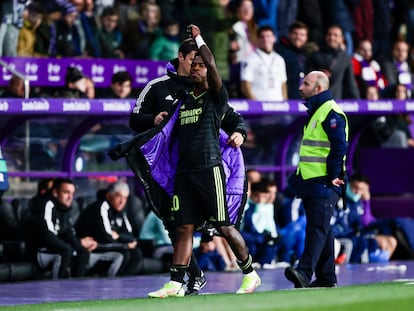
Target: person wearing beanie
[67, 43]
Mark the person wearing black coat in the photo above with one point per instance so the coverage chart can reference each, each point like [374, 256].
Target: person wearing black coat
[106, 220]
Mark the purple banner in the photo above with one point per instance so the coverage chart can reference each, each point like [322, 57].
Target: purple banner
[52, 71]
[66, 106]
[245, 107]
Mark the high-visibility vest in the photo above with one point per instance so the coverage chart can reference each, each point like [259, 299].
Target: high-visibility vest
[4, 178]
[315, 145]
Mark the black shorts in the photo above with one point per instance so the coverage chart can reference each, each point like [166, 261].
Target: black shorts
[199, 197]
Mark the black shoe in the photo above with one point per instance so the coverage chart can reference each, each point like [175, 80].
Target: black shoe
[297, 278]
[195, 285]
[319, 283]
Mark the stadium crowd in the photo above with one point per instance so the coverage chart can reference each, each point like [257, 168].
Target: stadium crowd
[372, 45]
[365, 47]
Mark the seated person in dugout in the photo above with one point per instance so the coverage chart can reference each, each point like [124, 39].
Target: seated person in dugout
[106, 220]
[51, 238]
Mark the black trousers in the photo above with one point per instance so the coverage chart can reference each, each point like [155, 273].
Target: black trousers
[318, 254]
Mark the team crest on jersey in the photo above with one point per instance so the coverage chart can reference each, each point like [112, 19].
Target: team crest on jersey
[118, 221]
[57, 225]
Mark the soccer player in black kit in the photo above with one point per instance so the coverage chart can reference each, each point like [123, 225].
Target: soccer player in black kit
[200, 186]
[155, 103]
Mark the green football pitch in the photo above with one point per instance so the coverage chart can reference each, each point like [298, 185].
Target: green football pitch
[392, 296]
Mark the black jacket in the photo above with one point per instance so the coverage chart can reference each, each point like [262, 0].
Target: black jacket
[339, 65]
[99, 219]
[51, 226]
[161, 93]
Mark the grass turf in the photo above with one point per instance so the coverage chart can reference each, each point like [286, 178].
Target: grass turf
[392, 296]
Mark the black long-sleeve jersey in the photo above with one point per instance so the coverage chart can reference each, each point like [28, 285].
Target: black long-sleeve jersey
[199, 124]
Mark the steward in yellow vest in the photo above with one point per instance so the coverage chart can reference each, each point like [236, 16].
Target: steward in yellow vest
[323, 149]
[319, 181]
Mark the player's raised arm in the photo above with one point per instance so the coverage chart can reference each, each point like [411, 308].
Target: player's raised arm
[214, 80]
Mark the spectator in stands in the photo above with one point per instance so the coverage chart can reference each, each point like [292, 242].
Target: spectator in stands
[276, 197]
[340, 13]
[263, 77]
[121, 86]
[292, 49]
[291, 222]
[244, 31]
[259, 228]
[12, 13]
[266, 13]
[15, 89]
[110, 37]
[27, 34]
[128, 12]
[399, 92]
[370, 92]
[46, 36]
[212, 16]
[67, 43]
[107, 222]
[209, 259]
[80, 33]
[100, 5]
[263, 74]
[243, 38]
[181, 11]
[358, 191]
[408, 9]
[356, 223]
[166, 46]
[75, 84]
[367, 70]
[287, 12]
[363, 16]
[383, 21]
[393, 130]
[336, 64]
[310, 12]
[139, 34]
[79, 4]
[90, 29]
[396, 68]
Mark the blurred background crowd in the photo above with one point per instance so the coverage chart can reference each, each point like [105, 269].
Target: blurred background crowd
[263, 50]
[370, 48]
